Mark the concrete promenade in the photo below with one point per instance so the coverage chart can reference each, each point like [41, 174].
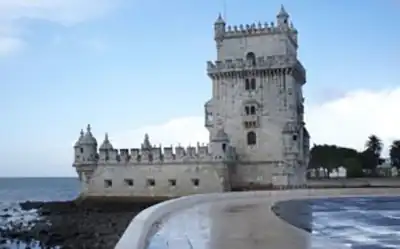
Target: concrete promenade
[233, 220]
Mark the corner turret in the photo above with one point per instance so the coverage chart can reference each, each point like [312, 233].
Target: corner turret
[282, 18]
[77, 147]
[219, 31]
[88, 146]
[219, 144]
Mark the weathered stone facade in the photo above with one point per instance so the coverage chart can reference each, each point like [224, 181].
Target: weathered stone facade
[255, 118]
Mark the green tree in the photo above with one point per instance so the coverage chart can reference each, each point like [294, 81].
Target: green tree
[330, 157]
[395, 154]
[374, 144]
[372, 154]
[353, 167]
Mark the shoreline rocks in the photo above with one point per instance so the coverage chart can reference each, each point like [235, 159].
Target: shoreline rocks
[80, 224]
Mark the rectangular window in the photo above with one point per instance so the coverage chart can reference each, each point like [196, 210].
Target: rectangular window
[172, 182]
[195, 182]
[128, 182]
[107, 183]
[151, 182]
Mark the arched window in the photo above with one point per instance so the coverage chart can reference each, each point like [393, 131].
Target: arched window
[251, 138]
[253, 84]
[252, 110]
[247, 84]
[247, 110]
[251, 57]
[223, 147]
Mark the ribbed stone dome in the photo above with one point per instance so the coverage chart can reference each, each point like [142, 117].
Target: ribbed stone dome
[106, 145]
[88, 138]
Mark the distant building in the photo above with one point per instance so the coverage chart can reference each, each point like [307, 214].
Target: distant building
[255, 118]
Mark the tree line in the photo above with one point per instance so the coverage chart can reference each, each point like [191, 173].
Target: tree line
[357, 163]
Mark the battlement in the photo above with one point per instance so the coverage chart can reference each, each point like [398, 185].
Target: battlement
[255, 29]
[261, 63]
[156, 155]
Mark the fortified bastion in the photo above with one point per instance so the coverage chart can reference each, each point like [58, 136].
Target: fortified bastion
[255, 119]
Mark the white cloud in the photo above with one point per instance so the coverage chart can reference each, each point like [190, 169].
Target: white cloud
[64, 12]
[184, 131]
[349, 120]
[346, 121]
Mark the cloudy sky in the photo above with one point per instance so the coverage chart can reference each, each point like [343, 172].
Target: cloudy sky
[130, 67]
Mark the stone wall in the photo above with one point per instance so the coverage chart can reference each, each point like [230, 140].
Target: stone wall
[164, 180]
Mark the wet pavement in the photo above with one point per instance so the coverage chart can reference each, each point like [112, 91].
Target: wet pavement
[223, 225]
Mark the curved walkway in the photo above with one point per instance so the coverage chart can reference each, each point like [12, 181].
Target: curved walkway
[230, 220]
[222, 226]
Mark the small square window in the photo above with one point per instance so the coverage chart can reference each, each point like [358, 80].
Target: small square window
[172, 182]
[107, 183]
[151, 182]
[128, 182]
[195, 182]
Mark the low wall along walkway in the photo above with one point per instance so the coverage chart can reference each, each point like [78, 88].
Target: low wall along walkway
[143, 225]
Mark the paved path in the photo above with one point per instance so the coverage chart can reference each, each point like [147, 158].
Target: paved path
[248, 224]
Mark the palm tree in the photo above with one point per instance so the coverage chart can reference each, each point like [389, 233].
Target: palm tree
[374, 144]
[395, 153]
[374, 148]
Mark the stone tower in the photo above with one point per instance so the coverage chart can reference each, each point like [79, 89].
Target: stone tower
[257, 101]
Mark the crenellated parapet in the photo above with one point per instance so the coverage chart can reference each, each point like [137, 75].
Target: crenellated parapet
[156, 155]
[262, 63]
[234, 31]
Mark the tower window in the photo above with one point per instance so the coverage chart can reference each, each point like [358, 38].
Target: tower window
[253, 84]
[150, 182]
[251, 57]
[81, 150]
[223, 147]
[250, 84]
[128, 182]
[252, 110]
[251, 138]
[107, 183]
[195, 182]
[172, 182]
[294, 137]
[247, 110]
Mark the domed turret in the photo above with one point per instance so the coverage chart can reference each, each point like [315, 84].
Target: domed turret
[88, 138]
[88, 147]
[219, 30]
[146, 145]
[106, 145]
[219, 144]
[78, 142]
[283, 18]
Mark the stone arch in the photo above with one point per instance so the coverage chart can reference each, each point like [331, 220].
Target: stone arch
[250, 56]
[251, 138]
